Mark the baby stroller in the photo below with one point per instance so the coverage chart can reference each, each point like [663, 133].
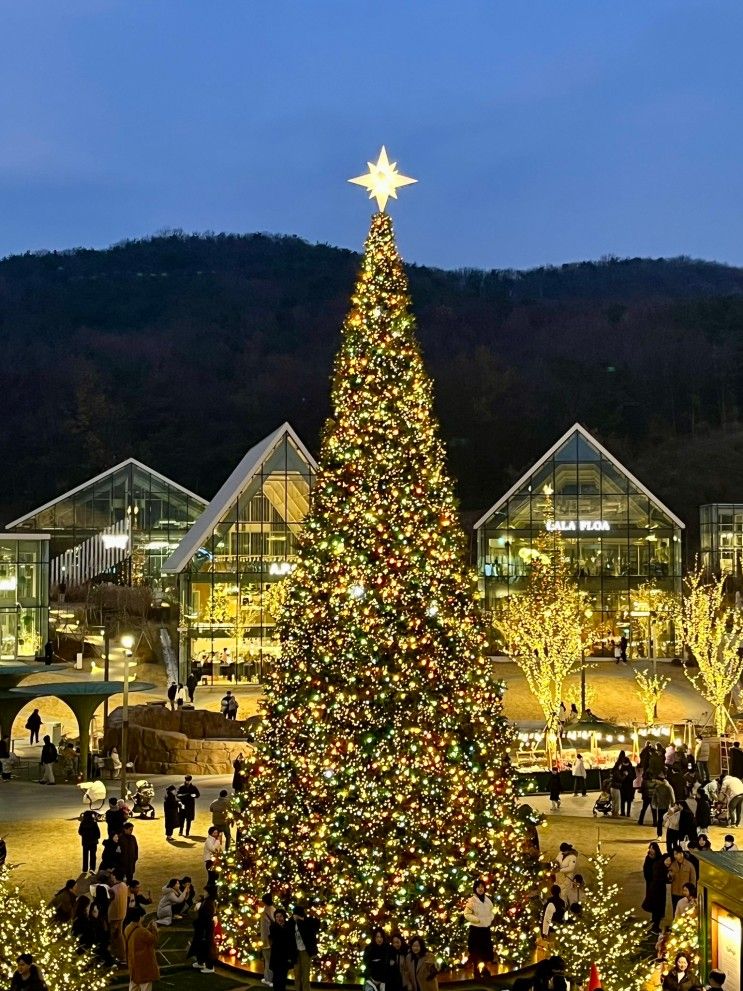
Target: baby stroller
[94, 795]
[603, 803]
[719, 814]
[143, 807]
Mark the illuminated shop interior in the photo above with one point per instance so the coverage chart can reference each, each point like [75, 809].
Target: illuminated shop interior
[623, 544]
[24, 594]
[230, 567]
[721, 538]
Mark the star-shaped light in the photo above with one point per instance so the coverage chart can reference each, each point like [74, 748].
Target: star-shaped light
[382, 180]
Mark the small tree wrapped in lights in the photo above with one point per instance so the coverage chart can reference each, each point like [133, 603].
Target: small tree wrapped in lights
[26, 927]
[603, 934]
[713, 633]
[544, 627]
[650, 688]
[382, 784]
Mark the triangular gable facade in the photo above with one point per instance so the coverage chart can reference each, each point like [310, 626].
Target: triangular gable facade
[278, 470]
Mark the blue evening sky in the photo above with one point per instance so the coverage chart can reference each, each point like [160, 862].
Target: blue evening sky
[542, 131]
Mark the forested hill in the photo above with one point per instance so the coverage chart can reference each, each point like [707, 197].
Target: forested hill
[184, 350]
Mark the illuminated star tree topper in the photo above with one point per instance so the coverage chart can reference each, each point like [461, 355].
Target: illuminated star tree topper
[382, 180]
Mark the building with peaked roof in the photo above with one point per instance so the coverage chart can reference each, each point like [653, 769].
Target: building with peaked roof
[623, 544]
[122, 524]
[230, 565]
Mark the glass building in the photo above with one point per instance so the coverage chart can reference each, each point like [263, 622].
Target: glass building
[721, 538]
[121, 525]
[24, 594]
[230, 566]
[623, 544]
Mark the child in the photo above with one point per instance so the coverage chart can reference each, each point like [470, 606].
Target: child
[555, 789]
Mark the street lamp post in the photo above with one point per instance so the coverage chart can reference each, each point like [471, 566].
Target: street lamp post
[127, 642]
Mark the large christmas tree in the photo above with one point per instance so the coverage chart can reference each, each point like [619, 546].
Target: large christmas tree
[382, 785]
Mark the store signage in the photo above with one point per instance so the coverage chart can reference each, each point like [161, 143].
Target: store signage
[111, 540]
[281, 568]
[582, 526]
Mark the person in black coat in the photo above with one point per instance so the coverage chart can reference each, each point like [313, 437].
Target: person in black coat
[680, 977]
[171, 808]
[704, 810]
[187, 795]
[655, 872]
[304, 929]
[28, 976]
[89, 833]
[687, 823]
[398, 955]
[627, 789]
[377, 958]
[736, 760]
[283, 949]
[111, 855]
[115, 817]
[203, 945]
[555, 789]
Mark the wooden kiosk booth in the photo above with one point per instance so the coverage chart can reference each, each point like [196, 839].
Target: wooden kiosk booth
[721, 914]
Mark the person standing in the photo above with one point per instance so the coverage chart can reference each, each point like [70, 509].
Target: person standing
[204, 944]
[90, 833]
[736, 760]
[680, 977]
[731, 792]
[33, 725]
[566, 865]
[680, 872]
[646, 794]
[701, 756]
[64, 902]
[237, 778]
[655, 873]
[398, 963]
[171, 811]
[141, 952]
[623, 644]
[672, 820]
[48, 760]
[116, 913]
[180, 696]
[479, 913]
[553, 912]
[555, 789]
[421, 967]
[283, 950]
[661, 800]
[305, 930]
[220, 815]
[172, 692]
[187, 795]
[376, 960]
[111, 853]
[115, 817]
[212, 854]
[232, 707]
[135, 899]
[129, 851]
[579, 775]
[191, 683]
[266, 919]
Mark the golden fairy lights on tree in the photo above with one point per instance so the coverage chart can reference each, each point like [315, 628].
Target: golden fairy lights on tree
[650, 688]
[604, 934]
[382, 784]
[544, 627]
[28, 927]
[713, 633]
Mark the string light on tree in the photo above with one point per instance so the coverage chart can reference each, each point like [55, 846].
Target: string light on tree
[382, 783]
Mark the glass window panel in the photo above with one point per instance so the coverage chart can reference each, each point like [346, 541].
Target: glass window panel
[612, 480]
[569, 450]
[586, 451]
[565, 480]
[639, 510]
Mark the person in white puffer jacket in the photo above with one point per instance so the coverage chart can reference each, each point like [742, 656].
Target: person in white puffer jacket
[478, 912]
[566, 864]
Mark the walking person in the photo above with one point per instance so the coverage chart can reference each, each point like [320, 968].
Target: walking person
[305, 929]
[48, 760]
[579, 775]
[187, 795]
[655, 873]
[661, 800]
[33, 725]
[129, 851]
[171, 812]
[646, 794]
[479, 913]
[283, 950]
[90, 833]
[212, 854]
[220, 815]
[141, 952]
[266, 919]
[555, 789]
[172, 691]
[422, 970]
[191, 683]
[204, 943]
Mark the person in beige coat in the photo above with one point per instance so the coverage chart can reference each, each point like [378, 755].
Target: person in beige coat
[420, 968]
[141, 952]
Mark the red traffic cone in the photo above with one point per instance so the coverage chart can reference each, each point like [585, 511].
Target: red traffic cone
[594, 981]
